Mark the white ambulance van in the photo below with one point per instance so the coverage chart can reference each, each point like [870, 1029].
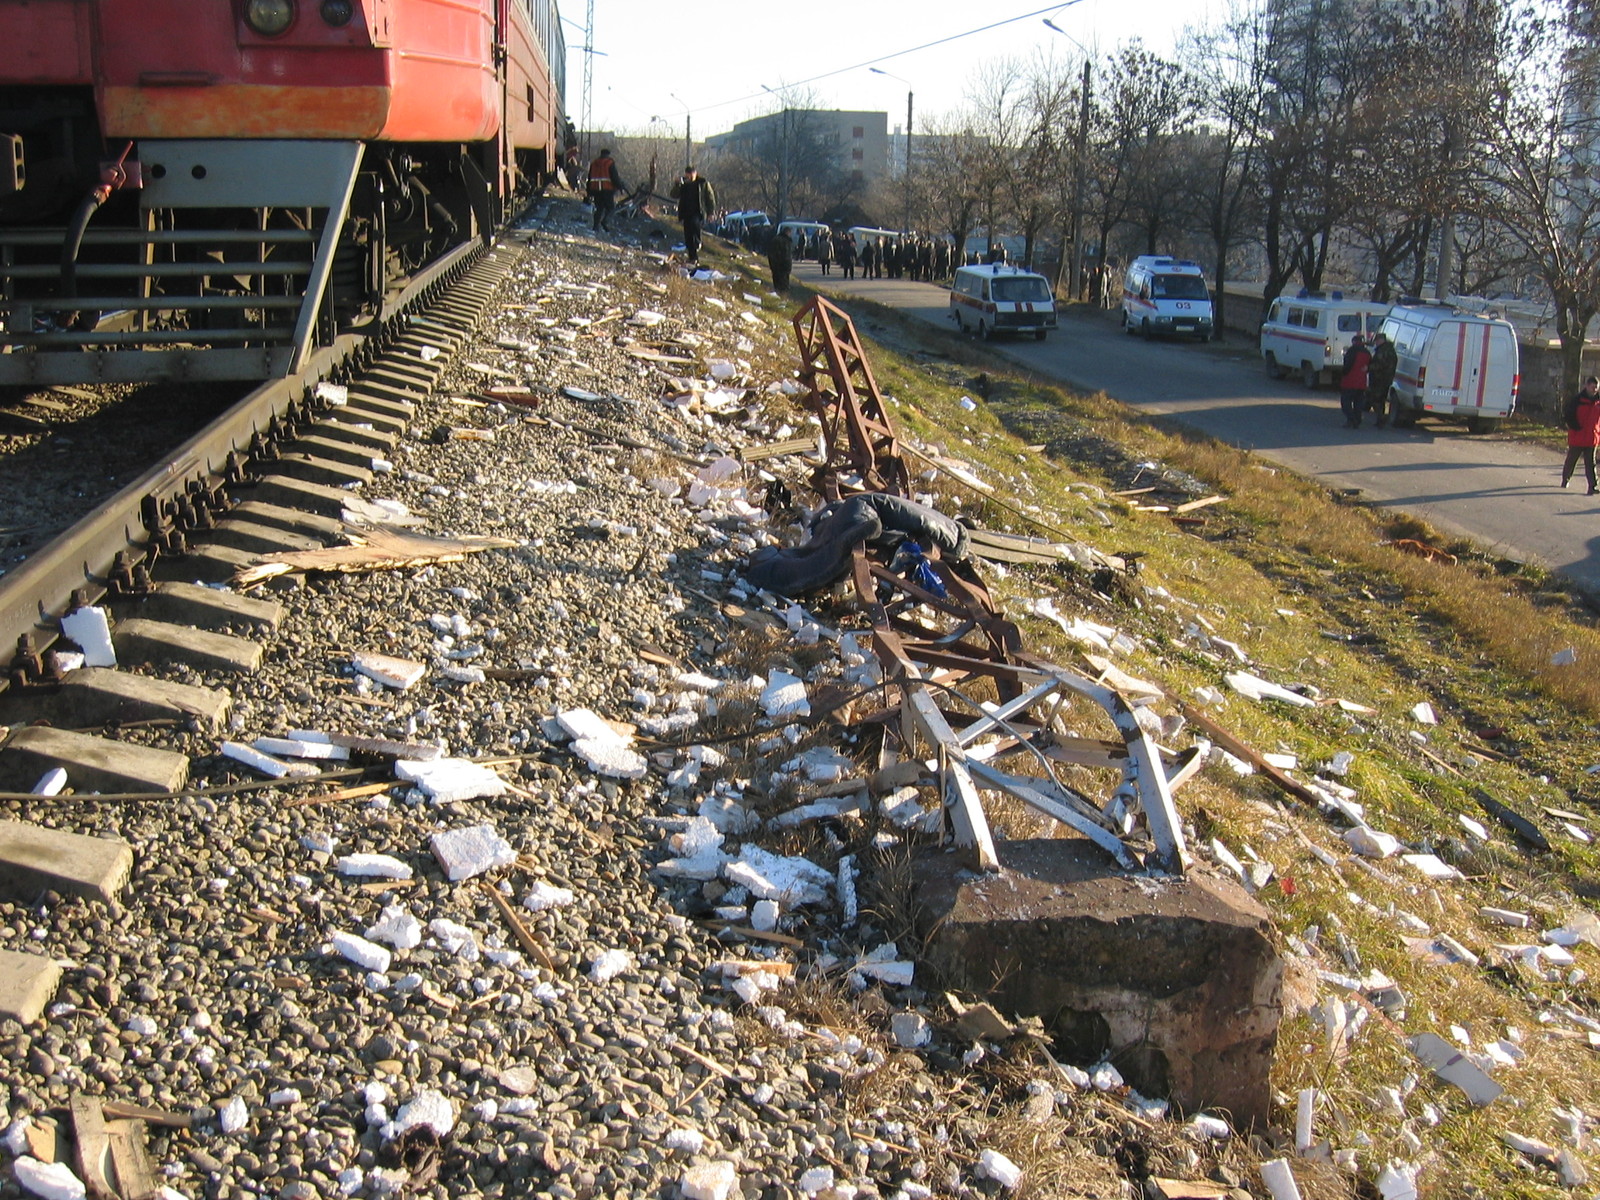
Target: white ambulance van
[993, 298]
[1308, 334]
[1166, 295]
[1452, 364]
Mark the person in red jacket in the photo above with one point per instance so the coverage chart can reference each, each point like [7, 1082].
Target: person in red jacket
[1581, 415]
[1353, 383]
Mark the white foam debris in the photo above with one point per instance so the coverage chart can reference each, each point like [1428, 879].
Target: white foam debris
[335, 394]
[450, 780]
[464, 853]
[1564, 658]
[301, 748]
[1398, 1181]
[51, 782]
[428, 1108]
[885, 964]
[815, 1179]
[233, 1116]
[791, 880]
[1432, 866]
[1450, 1065]
[996, 1166]
[381, 866]
[1504, 916]
[845, 884]
[688, 1141]
[611, 757]
[53, 1181]
[607, 965]
[398, 673]
[363, 953]
[1253, 687]
[1422, 712]
[546, 895]
[785, 696]
[910, 1030]
[1280, 1179]
[1209, 1126]
[455, 938]
[585, 723]
[696, 682]
[764, 916]
[90, 627]
[1371, 843]
[1104, 1077]
[709, 1181]
[396, 927]
[272, 768]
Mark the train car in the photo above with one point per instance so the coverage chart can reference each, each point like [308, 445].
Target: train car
[209, 191]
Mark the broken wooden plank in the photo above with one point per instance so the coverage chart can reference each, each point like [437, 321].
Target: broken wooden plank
[783, 449]
[377, 549]
[93, 1146]
[1203, 502]
[136, 1180]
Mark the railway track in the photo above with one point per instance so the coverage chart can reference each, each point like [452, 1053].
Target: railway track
[269, 475]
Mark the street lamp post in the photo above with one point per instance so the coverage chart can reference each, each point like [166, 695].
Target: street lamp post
[783, 158]
[1080, 155]
[906, 224]
[688, 140]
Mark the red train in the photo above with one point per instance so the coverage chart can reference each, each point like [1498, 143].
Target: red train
[208, 190]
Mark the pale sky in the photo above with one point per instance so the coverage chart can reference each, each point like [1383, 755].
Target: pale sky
[716, 57]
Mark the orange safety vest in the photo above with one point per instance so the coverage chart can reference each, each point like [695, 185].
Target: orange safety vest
[600, 175]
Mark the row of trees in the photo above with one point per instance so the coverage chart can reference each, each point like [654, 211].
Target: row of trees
[1396, 142]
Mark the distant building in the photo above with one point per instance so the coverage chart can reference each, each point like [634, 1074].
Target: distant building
[858, 141]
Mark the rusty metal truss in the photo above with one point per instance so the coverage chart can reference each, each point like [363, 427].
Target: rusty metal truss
[929, 645]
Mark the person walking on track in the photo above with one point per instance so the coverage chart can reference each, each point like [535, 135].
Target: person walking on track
[696, 201]
[604, 184]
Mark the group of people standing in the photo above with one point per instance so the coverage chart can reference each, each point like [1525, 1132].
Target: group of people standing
[1368, 376]
[908, 256]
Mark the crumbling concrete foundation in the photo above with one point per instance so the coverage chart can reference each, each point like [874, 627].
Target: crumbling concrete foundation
[1174, 977]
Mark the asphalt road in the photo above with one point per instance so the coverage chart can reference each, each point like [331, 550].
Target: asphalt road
[1501, 492]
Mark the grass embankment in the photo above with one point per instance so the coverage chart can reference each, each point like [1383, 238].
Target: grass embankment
[1314, 592]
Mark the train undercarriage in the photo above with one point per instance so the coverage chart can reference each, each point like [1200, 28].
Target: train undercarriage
[220, 259]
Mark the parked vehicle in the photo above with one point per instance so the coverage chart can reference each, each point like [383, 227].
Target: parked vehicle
[745, 227]
[1452, 364]
[1309, 333]
[806, 231]
[1161, 294]
[993, 298]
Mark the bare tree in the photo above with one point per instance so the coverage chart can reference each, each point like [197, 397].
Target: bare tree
[1232, 63]
[946, 187]
[1537, 169]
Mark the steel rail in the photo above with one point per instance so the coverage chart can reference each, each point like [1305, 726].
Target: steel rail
[78, 562]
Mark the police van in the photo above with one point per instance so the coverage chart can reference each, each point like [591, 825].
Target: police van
[1452, 363]
[994, 298]
[1161, 294]
[1307, 334]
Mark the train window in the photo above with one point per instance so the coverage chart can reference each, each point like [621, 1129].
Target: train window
[532, 105]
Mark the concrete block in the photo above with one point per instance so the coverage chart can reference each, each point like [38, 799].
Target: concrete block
[333, 449]
[91, 763]
[373, 440]
[28, 982]
[1175, 978]
[97, 696]
[372, 412]
[325, 530]
[207, 563]
[141, 640]
[315, 469]
[395, 401]
[401, 378]
[238, 534]
[291, 492]
[35, 859]
[207, 608]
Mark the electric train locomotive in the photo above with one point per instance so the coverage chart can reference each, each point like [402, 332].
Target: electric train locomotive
[209, 190]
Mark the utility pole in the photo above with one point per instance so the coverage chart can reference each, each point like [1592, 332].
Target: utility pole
[906, 224]
[1079, 174]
